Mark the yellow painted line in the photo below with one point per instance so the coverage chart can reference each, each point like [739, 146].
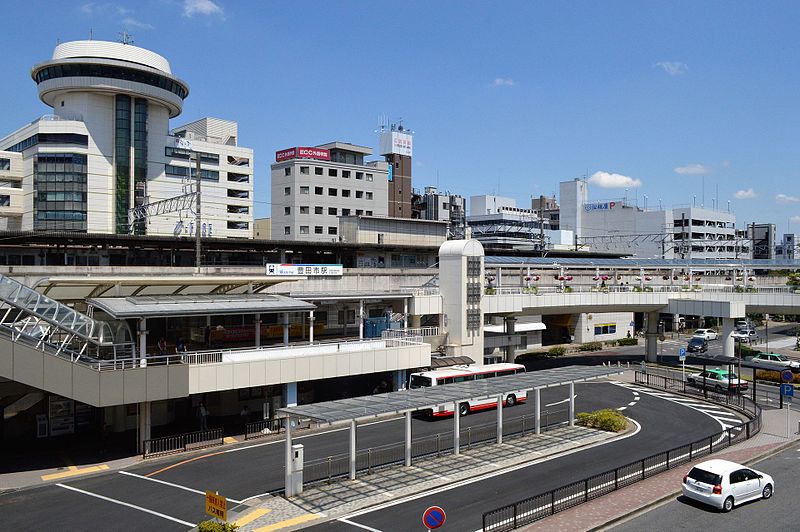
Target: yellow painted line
[289, 522]
[183, 462]
[252, 516]
[229, 439]
[74, 471]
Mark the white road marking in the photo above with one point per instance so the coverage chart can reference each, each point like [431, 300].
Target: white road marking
[365, 527]
[632, 403]
[559, 402]
[129, 505]
[126, 473]
[622, 408]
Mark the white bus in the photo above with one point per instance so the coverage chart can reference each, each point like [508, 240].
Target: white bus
[455, 374]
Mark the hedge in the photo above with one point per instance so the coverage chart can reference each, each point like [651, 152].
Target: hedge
[590, 346]
[628, 341]
[605, 419]
[216, 526]
[557, 351]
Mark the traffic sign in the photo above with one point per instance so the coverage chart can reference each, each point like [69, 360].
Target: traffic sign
[787, 390]
[433, 517]
[216, 506]
[787, 375]
[682, 354]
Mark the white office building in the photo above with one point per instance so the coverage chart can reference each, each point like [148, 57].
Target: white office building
[106, 148]
[788, 248]
[313, 186]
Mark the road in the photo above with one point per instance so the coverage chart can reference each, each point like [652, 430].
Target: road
[778, 513]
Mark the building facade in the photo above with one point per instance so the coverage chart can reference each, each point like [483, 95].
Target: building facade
[313, 186]
[396, 146]
[107, 148]
[788, 248]
[442, 207]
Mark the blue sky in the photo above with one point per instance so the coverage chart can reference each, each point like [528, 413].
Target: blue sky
[671, 100]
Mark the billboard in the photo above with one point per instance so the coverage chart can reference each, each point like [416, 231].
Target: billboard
[305, 269]
[302, 152]
[396, 142]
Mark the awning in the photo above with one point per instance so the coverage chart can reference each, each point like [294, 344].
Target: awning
[518, 327]
[446, 362]
[199, 305]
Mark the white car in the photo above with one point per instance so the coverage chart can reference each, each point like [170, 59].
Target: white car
[773, 361]
[723, 484]
[707, 334]
[746, 336]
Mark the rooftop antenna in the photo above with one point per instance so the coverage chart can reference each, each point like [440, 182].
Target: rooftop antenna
[91, 34]
[125, 37]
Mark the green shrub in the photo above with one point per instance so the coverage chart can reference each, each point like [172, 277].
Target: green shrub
[774, 376]
[216, 526]
[557, 351]
[530, 290]
[491, 291]
[520, 359]
[628, 341]
[567, 289]
[591, 346]
[605, 419]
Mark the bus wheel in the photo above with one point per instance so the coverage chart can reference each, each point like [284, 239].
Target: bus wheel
[511, 400]
[463, 409]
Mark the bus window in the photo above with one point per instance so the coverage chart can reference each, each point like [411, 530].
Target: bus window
[480, 376]
[520, 370]
[446, 380]
[463, 378]
[418, 381]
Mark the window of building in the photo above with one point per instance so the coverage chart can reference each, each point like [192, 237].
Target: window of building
[333, 172]
[369, 177]
[606, 328]
[287, 191]
[359, 194]
[304, 209]
[303, 229]
[238, 209]
[238, 178]
[303, 190]
[332, 211]
[369, 213]
[317, 170]
[287, 211]
[318, 210]
[359, 212]
[113, 72]
[184, 171]
[238, 225]
[287, 230]
[345, 193]
[304, 170]
[60, 192]
[345, 212]
[359, 175]
[179, 153]
[241, 194]
[234, 160]
[346, 174]
[369, 195]
[287, 171]
[318, 230]
[332, 192]
[318, 191]
[332, 230]
[5, 164]
[5, 200]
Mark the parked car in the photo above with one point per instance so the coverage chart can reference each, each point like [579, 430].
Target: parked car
[773, 361]
[723, 484]
[697, 344]
[708, 334]
[743, 324]
[717, 379]
[745, 335]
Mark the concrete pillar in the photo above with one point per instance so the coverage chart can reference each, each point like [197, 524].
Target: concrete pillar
[510, 349]
[360, 319]
[728, 345]
[405, 313]
[676, 322]
[651, 337]
[352, 449]
[143, 341]
[288, 459]
[285, 328]
[145, 422]
[399, 378]
[257, 324]
[290, 393]
[408, 439]
[457, 430]
[302, 326]
[538, 411]
[572, 404]
[416, 321]
[500, 418]
[311, 326]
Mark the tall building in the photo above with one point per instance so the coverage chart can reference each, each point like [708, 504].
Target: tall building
[107, 148]
[313, 186]
[547, 209]
[396, 144]
[498, 223]
[443, 207]
[762, 237]
[788, 248]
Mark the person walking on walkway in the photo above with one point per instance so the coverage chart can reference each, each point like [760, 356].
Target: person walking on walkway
[202, 412]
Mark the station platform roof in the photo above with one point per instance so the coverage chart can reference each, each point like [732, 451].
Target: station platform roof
[695, 264]
[196, 305]
[400, 402]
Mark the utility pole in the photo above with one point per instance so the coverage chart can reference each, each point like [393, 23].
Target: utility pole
[197, 214]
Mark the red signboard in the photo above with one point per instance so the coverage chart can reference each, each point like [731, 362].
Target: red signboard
[303, 152]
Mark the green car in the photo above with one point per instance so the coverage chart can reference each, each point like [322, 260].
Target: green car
[717, 379]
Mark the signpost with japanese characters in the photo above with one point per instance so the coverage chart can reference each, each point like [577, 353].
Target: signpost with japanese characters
[305, 269]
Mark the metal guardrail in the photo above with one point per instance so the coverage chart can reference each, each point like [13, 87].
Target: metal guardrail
[615, 289]
[405, 333]
[262, 428]
[182, 442]
[539, 506]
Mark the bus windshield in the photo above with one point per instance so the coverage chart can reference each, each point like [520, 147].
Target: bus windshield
[418, 381]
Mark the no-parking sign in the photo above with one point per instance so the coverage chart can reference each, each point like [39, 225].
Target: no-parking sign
[433, 517]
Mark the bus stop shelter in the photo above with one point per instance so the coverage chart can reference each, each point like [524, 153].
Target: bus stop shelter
[406, 402]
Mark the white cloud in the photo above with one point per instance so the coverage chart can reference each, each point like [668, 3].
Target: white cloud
[693, 169]
[503, 82]
[785, 198]
[200, 7]
[131, 22]
[607, 180]
[745, 194]
[673, 68]
[795, 219]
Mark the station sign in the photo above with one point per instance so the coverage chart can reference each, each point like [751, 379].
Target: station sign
[328, 270]
[216, 506]
[302, 152]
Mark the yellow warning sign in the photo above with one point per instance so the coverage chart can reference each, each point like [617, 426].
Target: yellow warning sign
[216, 506]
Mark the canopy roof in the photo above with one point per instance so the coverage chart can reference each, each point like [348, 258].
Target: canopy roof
[198, 305]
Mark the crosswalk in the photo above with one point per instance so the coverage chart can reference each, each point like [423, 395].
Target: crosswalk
[726, 419]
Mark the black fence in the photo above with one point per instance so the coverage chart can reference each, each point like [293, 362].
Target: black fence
[367, 460]
[182, 442]
[260, 429]
[545, 504]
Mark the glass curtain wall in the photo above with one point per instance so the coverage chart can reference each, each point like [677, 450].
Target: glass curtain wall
[140, 159]
[60, 184]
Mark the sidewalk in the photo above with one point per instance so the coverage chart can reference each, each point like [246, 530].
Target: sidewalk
[619, 506]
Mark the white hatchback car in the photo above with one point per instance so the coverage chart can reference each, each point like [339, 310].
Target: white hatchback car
[708, 334]
[723, 484]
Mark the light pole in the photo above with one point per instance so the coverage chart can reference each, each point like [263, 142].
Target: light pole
[197, 214]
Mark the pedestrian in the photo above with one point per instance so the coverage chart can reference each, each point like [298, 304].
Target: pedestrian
[207, 336]
[180, 346]
[202, 413]
[629, 334]
[244, 416]
[162, 346]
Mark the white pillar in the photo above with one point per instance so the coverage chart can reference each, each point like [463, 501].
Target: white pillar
[499, 277]
[408, 439]
[143, 341]
[728, 346]
[651, 337]
[500, 418]
[352, 449]
[399, 380]
[257, 323]
[510, 353]
[290, 393]
[405, 313]
[311, 327]
[572, 404]
[538, 411]
[145, 422]
[285, 328]
[457, 430]
[288, 457]
[360, 319]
